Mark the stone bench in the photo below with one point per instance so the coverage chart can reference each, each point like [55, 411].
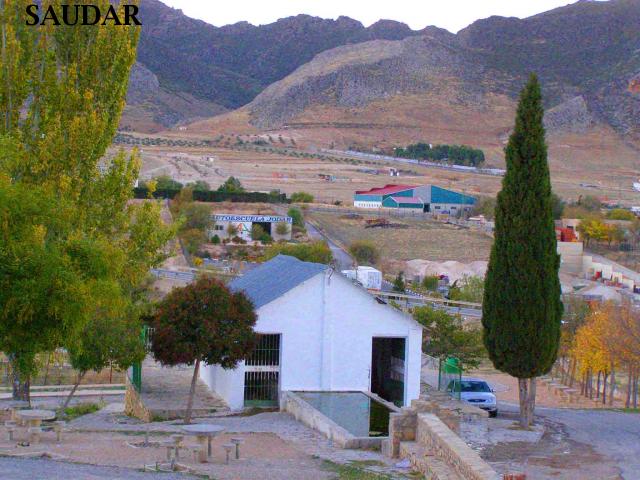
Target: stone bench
[34, 434]
[228, 448]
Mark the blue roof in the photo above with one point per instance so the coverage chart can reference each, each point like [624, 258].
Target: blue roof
[274, 278]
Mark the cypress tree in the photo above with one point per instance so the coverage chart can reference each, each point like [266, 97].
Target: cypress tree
[522, 306]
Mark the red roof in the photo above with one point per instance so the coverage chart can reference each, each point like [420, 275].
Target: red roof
[386, 190]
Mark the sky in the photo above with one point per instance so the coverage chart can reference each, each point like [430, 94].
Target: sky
[450, 14]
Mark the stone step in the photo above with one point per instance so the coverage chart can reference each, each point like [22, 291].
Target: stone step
[430, 466]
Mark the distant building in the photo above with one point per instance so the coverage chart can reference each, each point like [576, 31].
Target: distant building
[426, 198]
[368, 277]
[228, 226]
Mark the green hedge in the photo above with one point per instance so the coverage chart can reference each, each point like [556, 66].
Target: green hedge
[214, 197]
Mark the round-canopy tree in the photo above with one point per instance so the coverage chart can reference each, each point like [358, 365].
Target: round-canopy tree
[522, 307]
[203, 322]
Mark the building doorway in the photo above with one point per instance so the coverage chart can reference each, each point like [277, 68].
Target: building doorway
[262, 373]
[388, 357]
[266, 226]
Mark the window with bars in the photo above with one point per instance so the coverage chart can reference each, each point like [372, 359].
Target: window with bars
[262, 373]
[266, 353]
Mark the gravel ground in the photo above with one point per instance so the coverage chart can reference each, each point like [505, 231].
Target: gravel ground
[282, 424]
[613, 434]
[576, 444]
[41, 469]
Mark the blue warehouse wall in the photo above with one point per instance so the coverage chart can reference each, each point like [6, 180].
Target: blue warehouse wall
[404, 193]
[441, 195]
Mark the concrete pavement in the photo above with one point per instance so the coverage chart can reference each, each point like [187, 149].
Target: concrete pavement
[42, 469]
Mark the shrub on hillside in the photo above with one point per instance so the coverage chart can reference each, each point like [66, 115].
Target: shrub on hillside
[301, 197]
[365, 252]
[620, 214]
[317, 252]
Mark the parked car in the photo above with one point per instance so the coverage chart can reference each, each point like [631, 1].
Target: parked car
[475, 392]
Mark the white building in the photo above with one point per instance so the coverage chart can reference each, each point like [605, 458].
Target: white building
[319, 332]
[368, 277]
[243, 224]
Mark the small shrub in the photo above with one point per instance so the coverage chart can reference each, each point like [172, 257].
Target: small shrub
[282, 228]
[257, 232]
[266, 239]
[76, 411]
[232, 230]
[302, 197]
[296, 215]
[364, 252]
[431, 283]
[239, 240]
[399, 284]
[620, 214]
[215, 240]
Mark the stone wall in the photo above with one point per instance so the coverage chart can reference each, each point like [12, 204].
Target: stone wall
[440, 441]
[402, 428]
[133, 405]
[427, 434]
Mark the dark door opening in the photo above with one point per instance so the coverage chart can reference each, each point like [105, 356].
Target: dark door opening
[266, 226]
[262, 373]
[388, 369]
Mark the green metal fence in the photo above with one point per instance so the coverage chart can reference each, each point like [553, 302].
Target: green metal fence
[135, 372]
[449, 376]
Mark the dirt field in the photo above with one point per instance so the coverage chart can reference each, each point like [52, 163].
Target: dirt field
[597, 157]
[265, 171]
[424, 239]
[262, 171]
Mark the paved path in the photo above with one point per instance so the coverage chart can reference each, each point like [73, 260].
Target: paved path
[342, 258]
[613, 434]
[281, 424]
[166, 390]
[42, 469]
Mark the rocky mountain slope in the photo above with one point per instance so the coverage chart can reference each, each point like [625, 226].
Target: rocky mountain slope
[587, 55]
[215, 69]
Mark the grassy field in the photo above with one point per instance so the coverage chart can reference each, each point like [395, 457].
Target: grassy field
[423, 239]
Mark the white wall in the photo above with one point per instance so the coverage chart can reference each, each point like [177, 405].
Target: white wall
[452, 208]
[327, 326]
[362, 204]
[229, 384]
[356, 319]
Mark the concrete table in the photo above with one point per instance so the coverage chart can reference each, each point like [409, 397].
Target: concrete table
[34, 418]
[204, 432]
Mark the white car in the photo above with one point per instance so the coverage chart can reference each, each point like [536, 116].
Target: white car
[475, 392]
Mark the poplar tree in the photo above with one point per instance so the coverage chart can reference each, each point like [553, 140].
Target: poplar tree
[62, 91]
[522, 306]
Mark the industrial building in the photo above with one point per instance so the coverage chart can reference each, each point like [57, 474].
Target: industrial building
[228, 226]
[425, 198]
[319, 332]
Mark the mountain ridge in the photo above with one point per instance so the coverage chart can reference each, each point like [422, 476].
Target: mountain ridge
[585, 51]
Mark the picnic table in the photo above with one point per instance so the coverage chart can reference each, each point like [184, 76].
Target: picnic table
[34, 418]
[204, 432]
